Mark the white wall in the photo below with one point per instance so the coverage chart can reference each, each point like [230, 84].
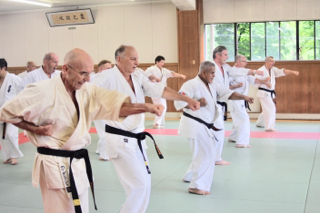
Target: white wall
[229, 11]
[150, 27]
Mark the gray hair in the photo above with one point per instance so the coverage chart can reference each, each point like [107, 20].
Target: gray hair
[219, 50]
[268, 58]
[205, 66]
[48, 57]
[119, 51]
[238, 57]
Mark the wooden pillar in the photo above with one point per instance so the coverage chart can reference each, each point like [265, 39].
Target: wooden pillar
[190, 41]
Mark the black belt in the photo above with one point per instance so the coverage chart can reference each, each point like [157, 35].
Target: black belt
[209, 126]
[271, 91]
[78, 154]
[139, 136]
[246, 104]
[224, 104]
[4, 131]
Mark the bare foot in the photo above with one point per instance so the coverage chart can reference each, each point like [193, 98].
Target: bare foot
[7, 161]
[102, 159]
[14, 161]
[271, 130]
[198, 191]
[243, 146]
[222, 162]
[231, 141]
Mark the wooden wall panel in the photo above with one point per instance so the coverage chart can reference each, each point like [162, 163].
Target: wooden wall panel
[295, 94]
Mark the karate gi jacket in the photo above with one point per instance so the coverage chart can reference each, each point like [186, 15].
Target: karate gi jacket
[162, 74]
[196, 89]
[114, 80]
[47, 102]
[275, 73]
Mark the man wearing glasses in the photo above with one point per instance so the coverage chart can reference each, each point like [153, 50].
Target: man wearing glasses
[58, 113]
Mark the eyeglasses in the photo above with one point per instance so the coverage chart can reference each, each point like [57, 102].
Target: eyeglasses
[243, 61]
[82, 73]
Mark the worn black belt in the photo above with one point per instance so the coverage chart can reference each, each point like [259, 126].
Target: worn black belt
[78, 154]
[4, 131]
[246, 105]
[139, 136]
[209, 126]
[267, 90]
[224, 104]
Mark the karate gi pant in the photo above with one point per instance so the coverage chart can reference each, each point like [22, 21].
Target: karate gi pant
[200, 172]
[57, 200]
[267, 118]
[241, 123]
[134, 178]
[219, 143]
[160, 120]
[10, 145]
[101, 147]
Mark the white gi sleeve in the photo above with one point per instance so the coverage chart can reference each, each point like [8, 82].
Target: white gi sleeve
[187, 89]
[167, 73]
[148, 72]
[151, 89]
[237, 71]
[222, 92]
[251, 79]
[278, 72]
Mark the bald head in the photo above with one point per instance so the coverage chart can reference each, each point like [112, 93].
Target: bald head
[78, 59]
[31, 66]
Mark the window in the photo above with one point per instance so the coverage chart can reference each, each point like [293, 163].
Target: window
[273, 39]
[284, 40]
[288, 48]
[243, 39]
[306, 40]
[219, 34]
[258, 41]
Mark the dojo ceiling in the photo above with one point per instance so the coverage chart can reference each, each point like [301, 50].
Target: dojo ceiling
[12, 6]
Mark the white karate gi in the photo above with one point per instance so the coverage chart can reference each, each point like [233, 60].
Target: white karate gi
[23, 74]
[162, 74]
[10, 145]
[201, 139]
[48, 102]
[38, 75]
[267, 118]
[224, 80]
[124, 151]
[241, 121]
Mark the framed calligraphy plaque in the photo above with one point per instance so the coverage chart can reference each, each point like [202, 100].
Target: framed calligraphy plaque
[70, 17]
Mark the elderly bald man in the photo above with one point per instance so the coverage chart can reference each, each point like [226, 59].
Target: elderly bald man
[30, 67]
[58, 113]
[46, 71]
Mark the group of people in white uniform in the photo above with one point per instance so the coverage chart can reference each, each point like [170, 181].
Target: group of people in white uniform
[57, 108]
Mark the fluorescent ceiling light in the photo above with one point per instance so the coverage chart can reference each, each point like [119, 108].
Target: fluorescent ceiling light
[32, 2]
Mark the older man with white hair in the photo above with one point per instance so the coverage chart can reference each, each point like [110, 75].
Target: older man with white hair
[240, 118]
[267, 118]
[200, 126]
